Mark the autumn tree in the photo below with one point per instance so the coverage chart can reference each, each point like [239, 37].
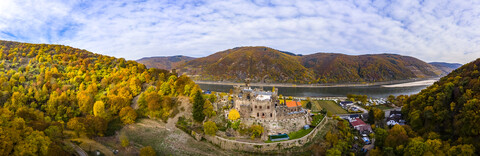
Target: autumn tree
[85, 102]
[396, 136]
[128, 115]
[147, 151]
[76, 125]
[54, 132]
[256, 131]
[378, 114]
[153, 101]
[233, 115]
[36, 143]
[331, 138]
[208, 109]
[380, 136]
[210, 128]
[99, 109]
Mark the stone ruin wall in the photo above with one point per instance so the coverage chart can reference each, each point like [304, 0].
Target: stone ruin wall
[280, 126]
[275, 147]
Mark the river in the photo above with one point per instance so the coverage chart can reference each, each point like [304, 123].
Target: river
[375, 91]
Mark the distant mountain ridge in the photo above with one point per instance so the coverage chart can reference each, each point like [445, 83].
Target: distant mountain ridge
[264, 64]
[446, 67]
[167, 62]
[331, 67]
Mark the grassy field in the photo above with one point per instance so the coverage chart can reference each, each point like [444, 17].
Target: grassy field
[299, 134]
[329, 105]
[382, 107]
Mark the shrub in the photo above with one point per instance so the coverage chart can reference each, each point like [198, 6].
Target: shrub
[210, 128]
[147, 151]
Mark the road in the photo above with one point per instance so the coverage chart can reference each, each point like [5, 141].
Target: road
[387, 111]
[79, 150]
[362, 109]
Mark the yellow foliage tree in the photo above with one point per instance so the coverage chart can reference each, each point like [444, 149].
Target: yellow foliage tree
[147, 151]
[210, 128]
[233, 115]
[99, 109]
[128, 115]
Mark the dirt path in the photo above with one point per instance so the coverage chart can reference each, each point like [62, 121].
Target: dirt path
[185, 104]
[135, 102]
[148, 132]
[88, 144]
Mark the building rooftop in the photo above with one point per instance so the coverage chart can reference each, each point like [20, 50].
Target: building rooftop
[262, 93]
[357, 122]
[293, 104]
[263, 97]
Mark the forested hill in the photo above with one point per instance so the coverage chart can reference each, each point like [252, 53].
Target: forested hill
[48, 89]
[167, 63]
[258, 63]
[449, 109]
[263, 64]
[330, 67]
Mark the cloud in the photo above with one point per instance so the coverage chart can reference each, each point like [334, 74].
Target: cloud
[432, 30]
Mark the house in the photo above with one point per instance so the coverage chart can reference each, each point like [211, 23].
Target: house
[361, 126]
[395, 117]
[391, 122]
[353, 116]
[346, 104]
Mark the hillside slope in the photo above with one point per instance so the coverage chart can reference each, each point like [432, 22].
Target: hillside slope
[261, 64]
[46, 89]
[450, 107]
[167, 63]
[330, 67]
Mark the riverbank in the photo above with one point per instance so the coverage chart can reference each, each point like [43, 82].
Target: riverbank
[411, 84]
[396, 83]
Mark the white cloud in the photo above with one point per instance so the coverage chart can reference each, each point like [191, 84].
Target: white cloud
[431, 30]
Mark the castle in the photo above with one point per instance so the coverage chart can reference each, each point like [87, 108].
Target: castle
[259, 106]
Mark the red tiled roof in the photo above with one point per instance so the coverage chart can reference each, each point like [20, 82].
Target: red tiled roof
[293, 104]
[357, 122]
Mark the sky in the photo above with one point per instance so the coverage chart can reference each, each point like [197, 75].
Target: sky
[431, 30]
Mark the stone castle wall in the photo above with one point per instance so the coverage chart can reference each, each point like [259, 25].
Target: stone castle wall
[264, 147]
[293, 123]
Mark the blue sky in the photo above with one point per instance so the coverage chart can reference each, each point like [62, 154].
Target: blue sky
[432, 30]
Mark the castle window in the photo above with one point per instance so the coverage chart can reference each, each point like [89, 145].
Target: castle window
[255, 107]
[258, 114]
[260, 107]
[271, 115]
[263, 114]
[268, 107]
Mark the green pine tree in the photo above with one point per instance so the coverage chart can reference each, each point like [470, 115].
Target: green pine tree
[371, 116]
[198, 103]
